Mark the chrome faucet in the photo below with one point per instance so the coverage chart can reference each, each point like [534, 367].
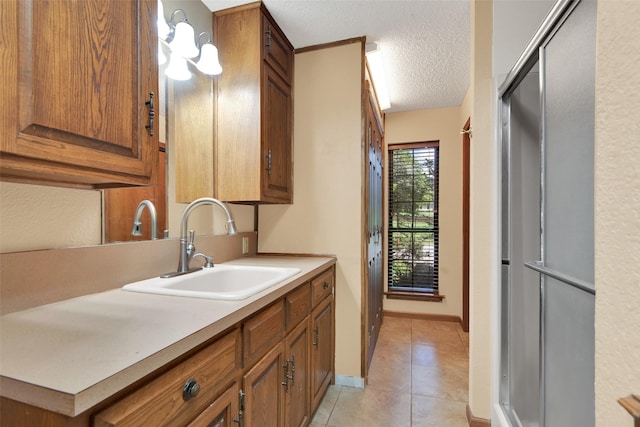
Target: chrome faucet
[187, 248]
[137, 223]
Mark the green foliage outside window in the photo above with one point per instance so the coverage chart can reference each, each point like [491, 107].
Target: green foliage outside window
[413, 218]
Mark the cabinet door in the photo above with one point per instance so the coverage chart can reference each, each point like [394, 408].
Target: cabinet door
[276, 49]
[85, 70]
[374, 229]
[223, 412]
[321, 350]
[264, 390]
[298, 385]
[276, 138]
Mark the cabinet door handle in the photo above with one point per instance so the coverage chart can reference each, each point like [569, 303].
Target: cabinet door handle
[316, 337]
[152, 113]
[269, 162]
[293, 368]
[268, 42]
[240, 419]
[190, 389]
[287, 377]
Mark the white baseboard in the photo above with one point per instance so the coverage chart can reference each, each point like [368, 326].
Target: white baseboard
[349, 381]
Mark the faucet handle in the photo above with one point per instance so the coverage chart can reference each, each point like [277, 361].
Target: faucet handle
[191, 249]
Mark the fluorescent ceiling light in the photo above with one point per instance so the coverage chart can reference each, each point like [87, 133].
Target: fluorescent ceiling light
[374, 58]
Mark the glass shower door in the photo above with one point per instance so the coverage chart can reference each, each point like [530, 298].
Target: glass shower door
[547, 290]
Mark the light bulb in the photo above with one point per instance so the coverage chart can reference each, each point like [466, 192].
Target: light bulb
[209, 63]
[183, 40]
[177, 68]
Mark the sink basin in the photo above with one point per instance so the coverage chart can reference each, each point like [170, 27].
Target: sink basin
[225, 282]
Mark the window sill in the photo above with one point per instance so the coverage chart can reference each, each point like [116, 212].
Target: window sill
[416, 296]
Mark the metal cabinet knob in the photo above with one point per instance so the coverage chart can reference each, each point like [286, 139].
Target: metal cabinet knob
[190, 389]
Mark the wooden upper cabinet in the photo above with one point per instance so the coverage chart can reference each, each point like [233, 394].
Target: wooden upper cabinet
[254, 109]
[81, 74]
[277, 51]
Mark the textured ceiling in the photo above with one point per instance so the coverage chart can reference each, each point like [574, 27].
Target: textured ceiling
[425, 43]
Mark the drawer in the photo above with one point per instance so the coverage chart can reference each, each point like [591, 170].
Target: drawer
[297, 305]
[277, 51]
[321, 287]
[262, 330]
[161, 402]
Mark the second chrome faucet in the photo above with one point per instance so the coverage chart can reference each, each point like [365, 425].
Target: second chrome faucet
[137, 221]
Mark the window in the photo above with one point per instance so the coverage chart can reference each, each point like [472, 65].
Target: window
[413, 220]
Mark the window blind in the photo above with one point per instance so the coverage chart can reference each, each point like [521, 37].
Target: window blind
[413, 218]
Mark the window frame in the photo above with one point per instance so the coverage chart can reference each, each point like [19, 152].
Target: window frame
[412, 292]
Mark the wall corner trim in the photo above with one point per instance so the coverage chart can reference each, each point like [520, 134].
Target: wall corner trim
[476, 422]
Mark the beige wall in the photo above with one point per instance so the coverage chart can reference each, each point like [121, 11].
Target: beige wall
[483, 211]
[441, 124]
[326, 216]
[40, 217]
[617, 204]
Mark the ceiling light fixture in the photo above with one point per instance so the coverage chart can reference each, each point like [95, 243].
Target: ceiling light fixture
[180, 40]
[376, 67]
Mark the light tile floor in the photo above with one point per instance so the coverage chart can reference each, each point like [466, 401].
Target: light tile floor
[418, 378]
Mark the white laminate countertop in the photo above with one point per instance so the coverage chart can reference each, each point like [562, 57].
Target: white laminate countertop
[71, 355]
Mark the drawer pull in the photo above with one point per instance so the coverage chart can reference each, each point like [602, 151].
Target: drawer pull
[325, 285]
[190, 389]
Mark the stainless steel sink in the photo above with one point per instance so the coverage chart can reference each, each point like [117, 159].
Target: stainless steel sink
[224, 282]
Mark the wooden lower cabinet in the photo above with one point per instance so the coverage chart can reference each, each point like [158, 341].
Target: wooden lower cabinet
[280, 386]
[240, 381]
[223, 412]
[322, 354]
[180, 394]
[263, 388]
[297, 392]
